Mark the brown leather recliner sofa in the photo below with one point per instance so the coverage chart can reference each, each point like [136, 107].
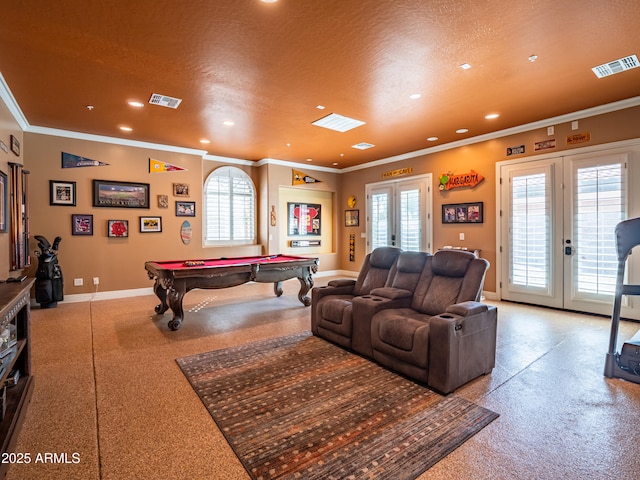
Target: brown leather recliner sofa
[424, 320]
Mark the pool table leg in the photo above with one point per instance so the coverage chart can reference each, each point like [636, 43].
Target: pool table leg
[161, 293]
[175, 297]
[277, 288]
[306, 283]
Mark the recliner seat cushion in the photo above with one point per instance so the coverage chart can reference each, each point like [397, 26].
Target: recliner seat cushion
[403, 334]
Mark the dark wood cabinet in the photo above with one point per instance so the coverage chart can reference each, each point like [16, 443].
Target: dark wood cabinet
[15, 356]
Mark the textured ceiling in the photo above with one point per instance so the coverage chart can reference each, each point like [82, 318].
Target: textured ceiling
[266, 66]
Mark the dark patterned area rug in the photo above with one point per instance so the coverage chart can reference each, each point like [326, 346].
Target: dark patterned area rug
[300, 407]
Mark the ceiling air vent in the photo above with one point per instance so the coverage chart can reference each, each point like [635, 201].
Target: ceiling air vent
[336, 122]
[362, 145]
[616, 66]
[164, 101]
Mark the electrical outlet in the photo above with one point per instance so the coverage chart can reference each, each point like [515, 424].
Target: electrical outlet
[77, 282]
[96, 280]
[461, 236]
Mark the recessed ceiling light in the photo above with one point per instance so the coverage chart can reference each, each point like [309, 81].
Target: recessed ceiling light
[432, 139]
[363, 145]
[309, 159]
[228, 123]
[126, 129]
[136, 104]
[335, 164]
[320, 107]
[268, 1]
[204, 140]
[533, 58]
[415, 96]
[462, 130]
[90, 107]
[492, 116]
[465, 66]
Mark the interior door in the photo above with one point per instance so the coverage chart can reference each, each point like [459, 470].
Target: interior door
[399, 214]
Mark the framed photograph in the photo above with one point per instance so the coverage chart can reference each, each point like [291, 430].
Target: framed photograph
[81, 224]
[185, 209]
[62, 193]
[107, 193]
[180, 190]
[352, 218]
[303, 219]
[163, 201]
[118, 228]
[4, 198]
[150, 224]
[15, 145]
[463, 213]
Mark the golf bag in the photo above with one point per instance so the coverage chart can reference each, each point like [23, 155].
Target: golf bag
[49, 281]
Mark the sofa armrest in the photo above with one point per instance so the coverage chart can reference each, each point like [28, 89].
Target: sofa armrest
[466, 309]
[342, 282]
[391, 293]
[461, 347]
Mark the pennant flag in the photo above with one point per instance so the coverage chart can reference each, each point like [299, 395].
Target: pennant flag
[75, 161]
[156, 166]
[300, 178]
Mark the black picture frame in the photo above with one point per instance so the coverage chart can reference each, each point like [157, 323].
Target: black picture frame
[112, 194]
[81, 224]
[304, 219]
[62, 192]
[15, 146]
[118, 228]
[150, 224]
[352, 218]
[463, 212]
[185, 209]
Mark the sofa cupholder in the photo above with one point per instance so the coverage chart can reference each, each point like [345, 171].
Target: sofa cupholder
[366, 296]
[376, 299]
[445, 316]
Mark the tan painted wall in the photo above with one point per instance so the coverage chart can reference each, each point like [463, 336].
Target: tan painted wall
[481, 157]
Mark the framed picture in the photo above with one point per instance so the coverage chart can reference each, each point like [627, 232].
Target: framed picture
[303, 219]
[4, 198]
[62, 193]
[185, 209]
[107, 193]
[15, 145]
[352, 218]
[81, 224]
[118, 228]
[150, 224]
[163, 201]
[180, 190]
[463, 213]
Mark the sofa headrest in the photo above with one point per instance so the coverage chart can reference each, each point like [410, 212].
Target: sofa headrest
[412, 262]
[383, 257]
[451, 263]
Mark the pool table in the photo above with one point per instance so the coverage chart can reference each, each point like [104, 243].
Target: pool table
[173, 279]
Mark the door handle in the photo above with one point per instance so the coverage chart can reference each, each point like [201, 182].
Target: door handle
[568, 249]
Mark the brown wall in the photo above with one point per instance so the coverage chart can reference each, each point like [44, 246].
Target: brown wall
[481, 157]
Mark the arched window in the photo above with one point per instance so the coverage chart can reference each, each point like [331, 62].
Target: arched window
[230, 211]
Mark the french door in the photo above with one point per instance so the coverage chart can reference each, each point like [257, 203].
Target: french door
[399, 214]
[557, 243]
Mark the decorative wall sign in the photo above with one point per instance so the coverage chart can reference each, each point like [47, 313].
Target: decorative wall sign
[303, 219]
[185, 232]
[107, 193]
[578, 138]
[397, 172]
[273, 215]
[74, 161]
[150, 224]
[156, 166]
[305, 243]
[299, 178]
[15, 145]
[81, 224]
[62, 193]
[519, 150]
[352, 247]
[118, 228]
[544, 145]
[449, 181]
[463, 213]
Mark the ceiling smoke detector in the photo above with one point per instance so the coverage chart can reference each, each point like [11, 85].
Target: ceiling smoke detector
[164, 100]
[617, 66]
[336, 122]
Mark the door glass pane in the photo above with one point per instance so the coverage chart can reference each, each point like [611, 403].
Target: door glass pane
[410, 220]
[530, 230]
[598, 206]
[379, 220]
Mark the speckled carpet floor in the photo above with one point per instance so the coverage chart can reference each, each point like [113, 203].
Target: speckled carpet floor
[298, 407]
